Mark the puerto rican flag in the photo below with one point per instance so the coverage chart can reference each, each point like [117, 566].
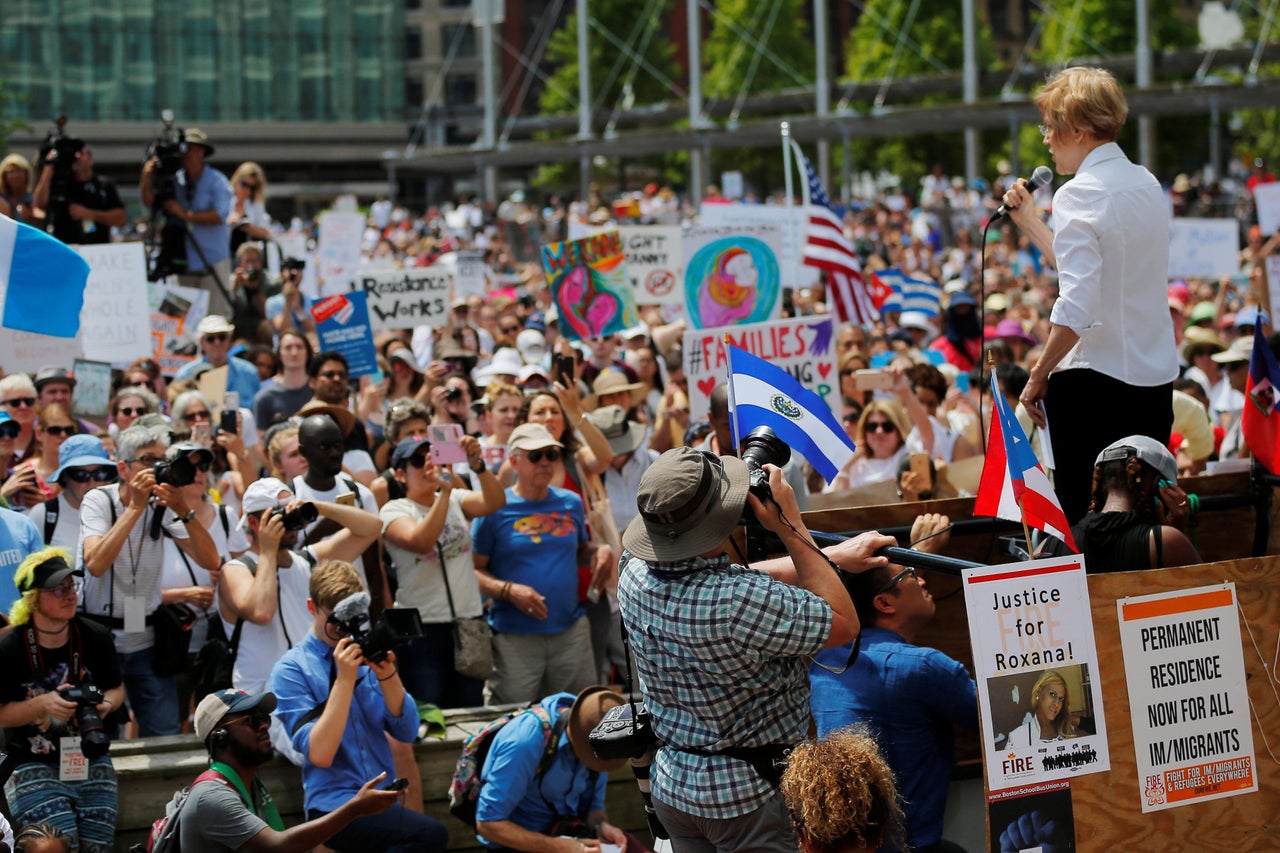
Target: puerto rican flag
[1013, 484]
[827, 248]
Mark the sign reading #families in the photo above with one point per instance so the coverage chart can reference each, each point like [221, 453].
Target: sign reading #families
[342, 321]
[402, 299]
[802, 346]
[1184, 665]
[1036, 665]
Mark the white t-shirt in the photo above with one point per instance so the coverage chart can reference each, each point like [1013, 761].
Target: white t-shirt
[262, 645]
[137, 570]
[66, 530]
[342, 486]
[421, 584]
[181, 571]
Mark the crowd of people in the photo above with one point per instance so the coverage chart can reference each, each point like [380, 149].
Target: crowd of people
[494, 471]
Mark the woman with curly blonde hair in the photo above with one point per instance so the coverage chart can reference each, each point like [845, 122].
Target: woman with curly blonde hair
[841, 795]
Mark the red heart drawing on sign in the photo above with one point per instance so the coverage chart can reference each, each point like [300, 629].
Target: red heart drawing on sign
[706, 386]
[823, 370]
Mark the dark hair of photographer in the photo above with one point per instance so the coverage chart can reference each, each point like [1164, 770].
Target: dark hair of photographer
[841, 795]
[62, 679]
[41, 838]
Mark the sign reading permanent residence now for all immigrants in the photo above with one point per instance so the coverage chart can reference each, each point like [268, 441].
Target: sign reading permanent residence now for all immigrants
[1036, 665]
[1190, 706]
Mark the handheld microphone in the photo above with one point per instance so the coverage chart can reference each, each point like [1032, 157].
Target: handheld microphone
[1039, 178]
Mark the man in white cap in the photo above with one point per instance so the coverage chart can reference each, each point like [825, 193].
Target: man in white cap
[721, 649]
[229, 807]
[526, 557]
[216, 333]
[202, 202]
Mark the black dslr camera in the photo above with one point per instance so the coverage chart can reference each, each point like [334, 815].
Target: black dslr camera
[167, 243]
[177, 472]
[763, 446]
[93, 736]
[298, 518]
[396, 626]
[293, 265]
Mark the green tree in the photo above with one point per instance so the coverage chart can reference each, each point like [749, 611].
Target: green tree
[932, 44]
[9, 102]
[1098, 28]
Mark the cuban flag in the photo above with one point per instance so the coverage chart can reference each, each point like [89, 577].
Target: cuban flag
[1013, 484]
[892, 290]
[1260, 422]
[761, 394]
[42, 282]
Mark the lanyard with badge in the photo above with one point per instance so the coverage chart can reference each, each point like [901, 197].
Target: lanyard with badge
[73, 766]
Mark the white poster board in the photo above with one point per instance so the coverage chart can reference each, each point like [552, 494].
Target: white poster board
[1188, 701]
[1203, 247]
[403, 299]
[793, 221]
[115, 323]
[1032, 632]
[802, 346]
[1266, 198]
[655, 262]
[469, 278]
[338, 251]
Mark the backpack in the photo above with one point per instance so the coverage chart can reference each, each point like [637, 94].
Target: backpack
[464, 790]
[164, 836]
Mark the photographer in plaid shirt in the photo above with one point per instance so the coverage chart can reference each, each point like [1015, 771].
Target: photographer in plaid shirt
[721, 649]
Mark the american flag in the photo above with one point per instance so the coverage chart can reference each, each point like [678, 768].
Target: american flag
[828, 249]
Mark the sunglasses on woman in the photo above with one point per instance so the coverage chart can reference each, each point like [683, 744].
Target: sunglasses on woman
[60, 431]
[9, 429]
[418, 460]
[192, 417]
[130, 411]
[98, 475]
[880, 426]
[20, 402]
[551, 454]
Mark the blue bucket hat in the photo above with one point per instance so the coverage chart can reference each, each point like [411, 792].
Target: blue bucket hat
[78, 451]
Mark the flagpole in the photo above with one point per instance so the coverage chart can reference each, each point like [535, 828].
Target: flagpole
[733, 403]
[785, 127]
[1026, 531]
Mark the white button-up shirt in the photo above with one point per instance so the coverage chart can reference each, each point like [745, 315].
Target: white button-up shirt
[1111, 240]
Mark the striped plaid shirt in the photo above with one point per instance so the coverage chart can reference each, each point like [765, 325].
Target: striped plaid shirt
[720, 656]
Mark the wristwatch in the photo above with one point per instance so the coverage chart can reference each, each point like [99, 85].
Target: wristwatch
[478, 467]
[189, 517]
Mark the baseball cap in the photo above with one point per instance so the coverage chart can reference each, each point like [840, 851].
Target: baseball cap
[531, 437]
[49, 572]
[689, 503]
[1251, 315]
[215, 707]
[406, 449]
[53, 374]
[262, 494]
[532, 346]
[1241, 349]
[1146, 449]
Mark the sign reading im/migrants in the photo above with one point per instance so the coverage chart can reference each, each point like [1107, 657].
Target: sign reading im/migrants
[402, 299]
[1189, 704]
[802, 346]
[1036, 666]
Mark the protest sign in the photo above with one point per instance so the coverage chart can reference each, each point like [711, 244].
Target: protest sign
[1203, 247]
[1266, 198]
[27, 352]
[403, 299]
[1036, 666]
[176, 311]
[338, 250]
[92, 395]
[590, 286]
[342, 321]
[802, 346]
[654, 263]
[731, 275]
[793, 223]
[469, 276]
[114, 323]
[1188, 701]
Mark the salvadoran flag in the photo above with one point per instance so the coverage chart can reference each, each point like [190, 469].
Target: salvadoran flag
[761, 394]
[1013, 485]
[42, 281]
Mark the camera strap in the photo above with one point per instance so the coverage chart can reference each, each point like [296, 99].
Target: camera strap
[35, 655]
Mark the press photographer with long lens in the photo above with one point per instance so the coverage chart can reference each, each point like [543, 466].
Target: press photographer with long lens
[79, 206]
[62, 677]
[123, 550]
[720, 648]
[340, 707]
[196, 197]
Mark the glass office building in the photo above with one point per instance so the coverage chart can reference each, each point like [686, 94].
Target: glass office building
[207, 60]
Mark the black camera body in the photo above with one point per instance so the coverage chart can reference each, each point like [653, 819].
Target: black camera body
[60, 150]
[761, 447]
[453, 395]
[293, 265]
[625, 731]
[298, 518]
[167, 246]
[177, 472]
[396, 626]
[94, 741]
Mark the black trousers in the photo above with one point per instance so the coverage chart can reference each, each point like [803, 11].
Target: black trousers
[1087, 411]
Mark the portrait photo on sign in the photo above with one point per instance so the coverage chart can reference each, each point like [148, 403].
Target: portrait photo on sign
[1037, 707]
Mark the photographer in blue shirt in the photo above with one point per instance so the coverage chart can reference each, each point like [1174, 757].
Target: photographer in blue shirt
[339, 709]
